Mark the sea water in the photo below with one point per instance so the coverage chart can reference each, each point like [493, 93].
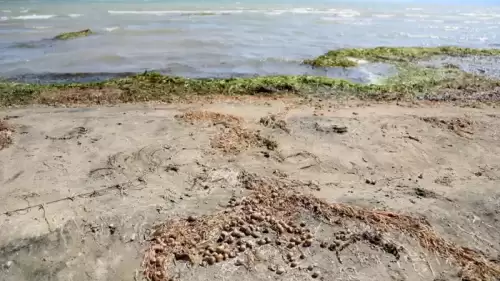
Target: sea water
[222, 38]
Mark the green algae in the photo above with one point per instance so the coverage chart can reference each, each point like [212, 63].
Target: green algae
[73, 35]
[412, 81]
[409, 83]
[347, 57]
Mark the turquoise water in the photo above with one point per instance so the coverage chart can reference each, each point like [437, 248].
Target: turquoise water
[224, 38]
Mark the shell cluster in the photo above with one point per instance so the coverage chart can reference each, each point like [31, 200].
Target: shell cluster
[247, 224]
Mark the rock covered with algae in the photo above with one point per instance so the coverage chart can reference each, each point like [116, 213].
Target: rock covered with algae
[73, 35]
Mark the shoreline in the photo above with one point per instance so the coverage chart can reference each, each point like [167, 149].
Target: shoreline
[365, 170]
[413, 81]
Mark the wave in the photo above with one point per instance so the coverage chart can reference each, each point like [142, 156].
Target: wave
[417, 15]
[6, 11]
[173, 12]
[410, 35]
[33, 17]
[74, 15]
[383, 15]
[475, 15]
[335, 12]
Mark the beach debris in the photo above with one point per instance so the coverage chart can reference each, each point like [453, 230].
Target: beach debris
[238, 232]
[272, 121]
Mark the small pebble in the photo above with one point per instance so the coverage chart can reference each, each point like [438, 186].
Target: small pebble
[210, 260]
[307, 243]
[250, 244]
[293, 264]
[219, 258]
[220, 249]
[255, 234]
[280, 270]
[310, 268]
[237, 234]
[323, 245]
[315, 274]
[132, 237]
[271, 268]
[232, 255]
[238, 262]
[302, 256]
[242, 248]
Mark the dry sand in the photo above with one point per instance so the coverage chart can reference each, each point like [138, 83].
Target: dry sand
[81, 188]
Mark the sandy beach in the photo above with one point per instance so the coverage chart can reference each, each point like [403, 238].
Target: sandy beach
[404, 191]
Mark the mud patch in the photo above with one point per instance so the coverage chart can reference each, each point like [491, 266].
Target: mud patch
[425, 193]
[461, 126]
[330, 129]
[207, 116]
[74, 133]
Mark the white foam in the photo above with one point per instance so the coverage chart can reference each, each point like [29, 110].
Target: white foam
[383, 15]
[3, 18]
[358, 61]
[110, 29]
[451, 28]
[417, 15]
[6, 11]
[348, 13]
[174, 12]
[414, 9]
[410, 35]
[74, 15]
[338, 13]
[34, 17]
[42, 27]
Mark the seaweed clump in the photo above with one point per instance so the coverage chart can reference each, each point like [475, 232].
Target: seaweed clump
[349, 57]
[73, 35]
[411, 82]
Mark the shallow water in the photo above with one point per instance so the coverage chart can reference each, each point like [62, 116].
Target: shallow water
[223, 38]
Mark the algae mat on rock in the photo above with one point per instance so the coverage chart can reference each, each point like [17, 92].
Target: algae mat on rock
[73, 35]
[347, 57]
